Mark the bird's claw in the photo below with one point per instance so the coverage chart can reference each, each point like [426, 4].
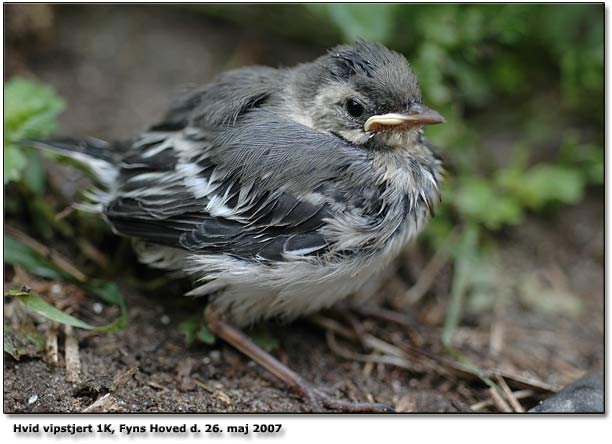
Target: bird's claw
[322, 402]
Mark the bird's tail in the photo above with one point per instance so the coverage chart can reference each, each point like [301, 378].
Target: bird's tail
[95, 154]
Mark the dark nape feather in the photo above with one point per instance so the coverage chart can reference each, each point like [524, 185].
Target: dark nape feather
[179, 114]
[233, 94]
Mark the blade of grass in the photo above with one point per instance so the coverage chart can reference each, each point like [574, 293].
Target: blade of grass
[43, 308]
[461, 280]
[36, 247]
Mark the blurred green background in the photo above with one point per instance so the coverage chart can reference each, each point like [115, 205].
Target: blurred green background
[521, 87]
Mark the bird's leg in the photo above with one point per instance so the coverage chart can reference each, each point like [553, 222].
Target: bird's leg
[315, 397]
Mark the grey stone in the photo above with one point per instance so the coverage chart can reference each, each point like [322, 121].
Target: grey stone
[583, 396]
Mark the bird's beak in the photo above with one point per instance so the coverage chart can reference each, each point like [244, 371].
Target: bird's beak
[418, 115]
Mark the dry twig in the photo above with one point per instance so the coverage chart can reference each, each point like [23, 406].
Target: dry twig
[393, 316]
[219, 394]
[440, 364]
[521, 394]
[73, 362]
[372, 358]
[498, 401]
[106, 403]
[51, 344]
[59, 260]
[426, 278]
[516, 405]
[123, 377]
[65, 213]
[93, 253]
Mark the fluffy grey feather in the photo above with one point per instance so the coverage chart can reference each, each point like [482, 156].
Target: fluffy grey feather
[266, 186]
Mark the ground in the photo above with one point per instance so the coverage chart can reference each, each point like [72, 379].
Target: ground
[118, 71]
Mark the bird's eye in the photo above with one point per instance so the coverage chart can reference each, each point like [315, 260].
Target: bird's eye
[354, 108]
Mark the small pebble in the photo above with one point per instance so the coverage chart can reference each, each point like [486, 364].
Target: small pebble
[396, 386]
[32, 399]
[165, 319]
[56, 289]
[98, 307]
[215, 355]
[206, 360]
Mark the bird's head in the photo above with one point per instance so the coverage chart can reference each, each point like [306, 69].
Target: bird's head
[365, 94]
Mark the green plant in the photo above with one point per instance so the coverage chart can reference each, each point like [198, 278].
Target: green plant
[528, 77]
[31, 110]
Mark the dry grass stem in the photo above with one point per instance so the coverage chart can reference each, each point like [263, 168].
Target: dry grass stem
[65, 213]
[426, 278]
[369, 340]
[155, 385]
[498, 331]
[204, 386]
[51, 346]
[499, 402]
[59, 260]
[123, 377]
[520, 394]
[219, 394]
[395, 317]
[514, 402]
[417, 359]
[73, 362]
[106, 403]
[93, 253]
[372, 358]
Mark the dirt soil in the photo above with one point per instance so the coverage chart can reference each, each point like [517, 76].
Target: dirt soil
[118, 69]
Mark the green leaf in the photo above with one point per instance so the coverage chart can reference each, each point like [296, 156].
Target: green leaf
[195, 328]
[14, 163]
[30, 109]
[479, 201]
[555, 183]
[587, 158]
[17, 253]
[9, 345]
[205, 335]
[43, 308]
[262, 337]
[367, 21]
[188, 328]
[542, 185]
[23, 340]
[34, 174]
[549, 300]
[108, 292]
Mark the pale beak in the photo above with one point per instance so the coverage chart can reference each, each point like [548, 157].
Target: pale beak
[417, 116]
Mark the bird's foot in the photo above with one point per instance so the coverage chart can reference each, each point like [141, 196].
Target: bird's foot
[318, 400]
[322, 402]
[332, 403]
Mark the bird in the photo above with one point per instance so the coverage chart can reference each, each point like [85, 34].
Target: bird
[278, 191]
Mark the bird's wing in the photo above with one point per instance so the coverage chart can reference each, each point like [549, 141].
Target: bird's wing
[255, 188]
